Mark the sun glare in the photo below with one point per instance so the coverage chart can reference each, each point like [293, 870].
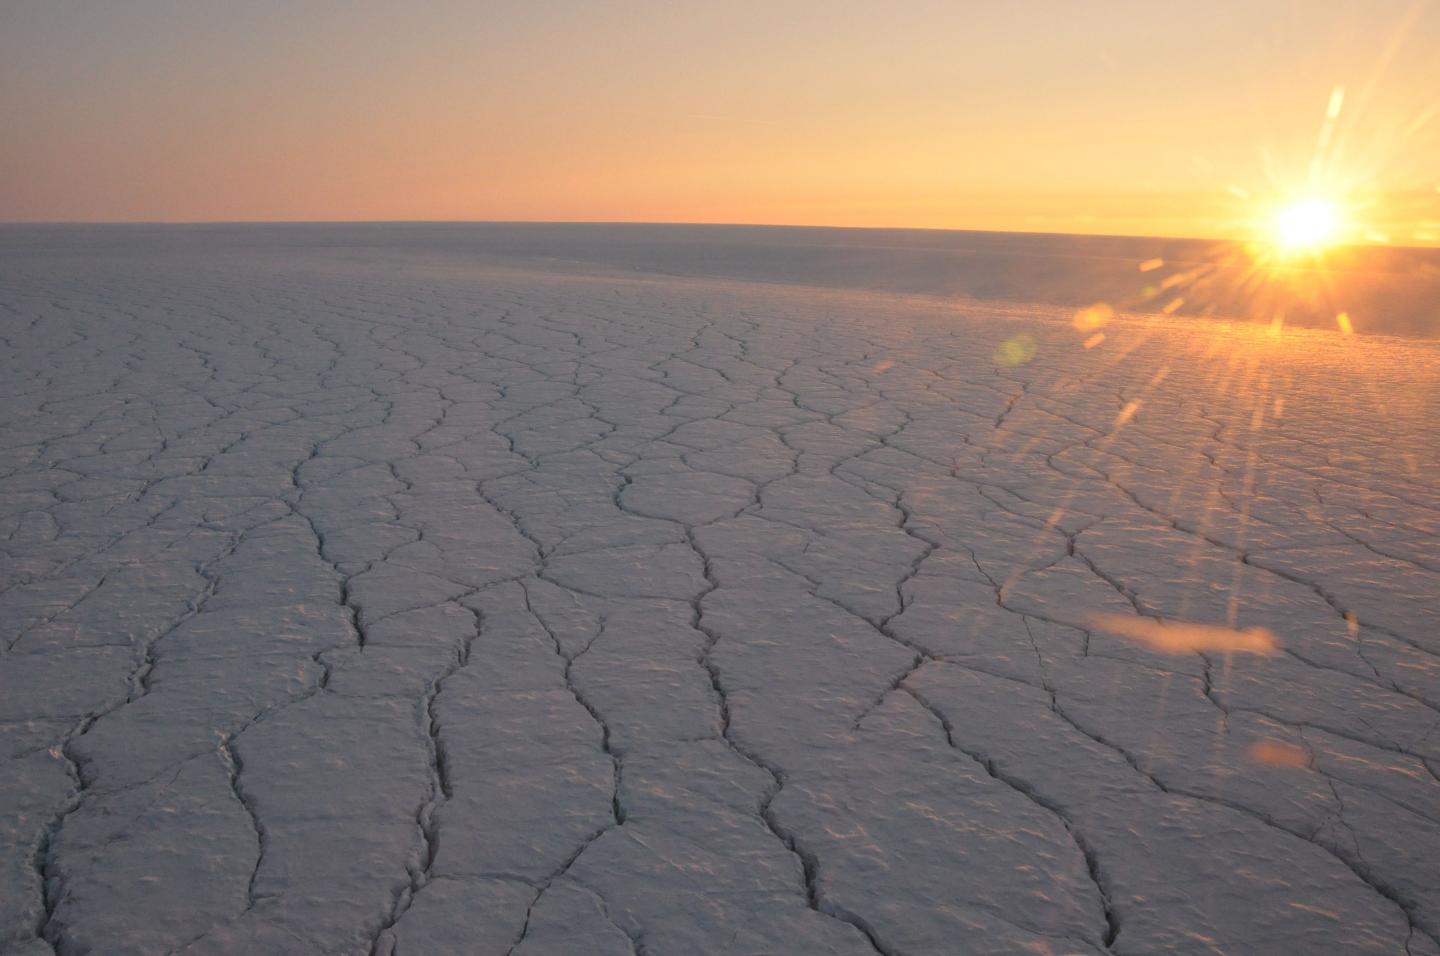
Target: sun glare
[1307, 225]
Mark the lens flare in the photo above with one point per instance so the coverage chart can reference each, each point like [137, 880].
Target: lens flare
[1184, 637]
[1016, 350]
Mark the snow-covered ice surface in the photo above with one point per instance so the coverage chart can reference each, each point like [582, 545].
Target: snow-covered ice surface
[409, 605]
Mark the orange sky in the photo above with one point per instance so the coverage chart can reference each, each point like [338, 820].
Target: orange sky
[1116, 117]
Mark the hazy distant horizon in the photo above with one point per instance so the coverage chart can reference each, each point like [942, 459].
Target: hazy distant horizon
[1380, 289]
[1079, 234]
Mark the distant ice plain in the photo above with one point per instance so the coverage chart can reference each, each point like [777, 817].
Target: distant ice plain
[485, 589]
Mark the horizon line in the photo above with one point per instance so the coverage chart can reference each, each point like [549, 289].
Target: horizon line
[180, 223]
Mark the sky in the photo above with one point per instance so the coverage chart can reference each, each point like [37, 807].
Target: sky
[1148, 118]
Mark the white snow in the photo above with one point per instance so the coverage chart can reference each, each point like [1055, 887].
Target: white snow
[404, 601]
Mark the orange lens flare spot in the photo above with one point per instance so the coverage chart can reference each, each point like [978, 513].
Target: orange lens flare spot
[1094, 340]
[1346, 326]
[1150, 265]
[1181, 637]
[1277, 753]
[1093, 317]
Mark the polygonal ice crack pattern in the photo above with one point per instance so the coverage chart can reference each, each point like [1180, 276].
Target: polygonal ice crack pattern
[420, 609]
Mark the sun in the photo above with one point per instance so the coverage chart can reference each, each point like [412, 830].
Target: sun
[1306, 225]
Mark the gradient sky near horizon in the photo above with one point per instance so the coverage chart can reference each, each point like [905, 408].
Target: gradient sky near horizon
[1150, 118]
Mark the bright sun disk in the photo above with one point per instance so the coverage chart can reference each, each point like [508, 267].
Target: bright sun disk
[1307, 225]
